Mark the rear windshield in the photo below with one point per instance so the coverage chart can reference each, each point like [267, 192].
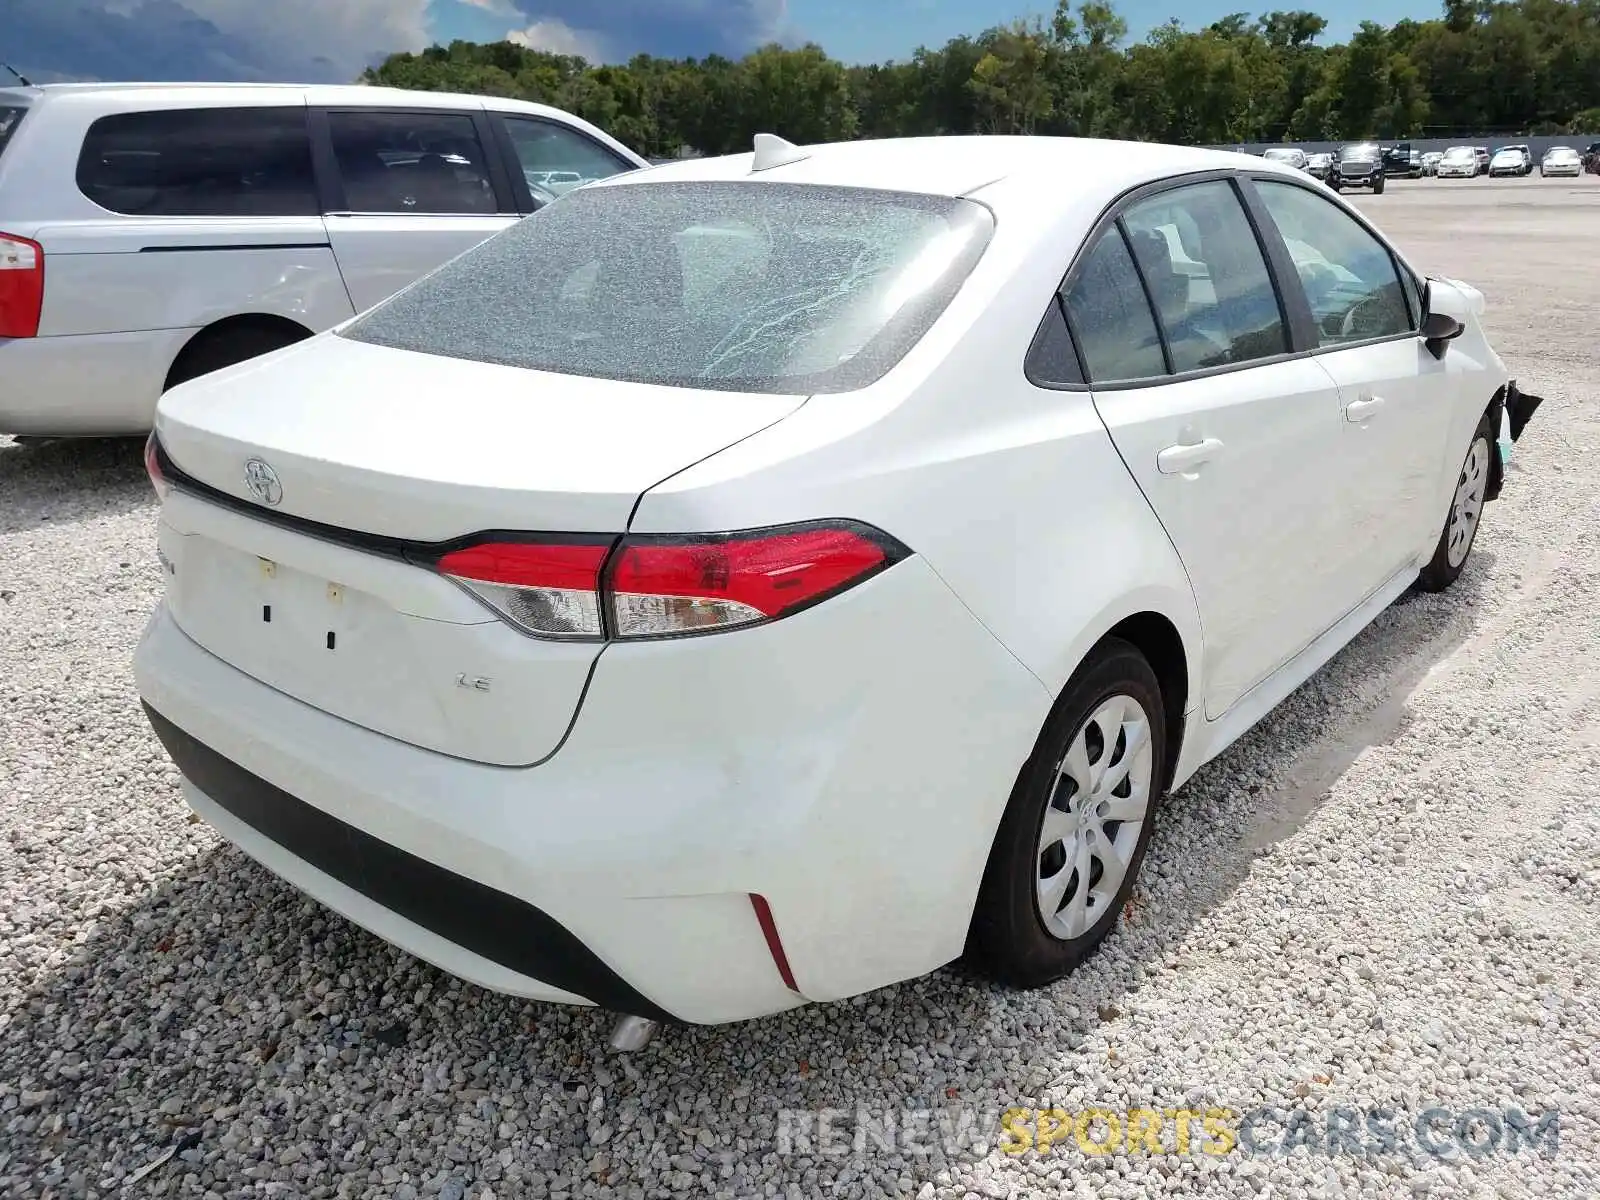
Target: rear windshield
[740, 286]
[10, 118]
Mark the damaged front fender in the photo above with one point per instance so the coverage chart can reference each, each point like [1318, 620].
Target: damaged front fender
[1509, 414]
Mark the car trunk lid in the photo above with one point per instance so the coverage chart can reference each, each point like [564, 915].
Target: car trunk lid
[316, 485]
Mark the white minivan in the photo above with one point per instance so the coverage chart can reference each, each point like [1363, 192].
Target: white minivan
[153, 233]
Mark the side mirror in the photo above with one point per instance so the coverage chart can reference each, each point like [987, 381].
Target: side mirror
[1439, 329]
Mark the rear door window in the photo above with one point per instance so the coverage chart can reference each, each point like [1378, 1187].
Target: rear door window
[200, 162]
[1207, 277]
[412, 162]
[10, 118]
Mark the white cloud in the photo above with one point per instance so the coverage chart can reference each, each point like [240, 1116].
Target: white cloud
[496, 8]
[557, 37]
[348, 33]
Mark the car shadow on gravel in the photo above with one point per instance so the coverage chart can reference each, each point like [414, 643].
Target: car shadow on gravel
[70, 480]
[273, 1040]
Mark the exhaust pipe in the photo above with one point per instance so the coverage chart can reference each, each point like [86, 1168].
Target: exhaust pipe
[633, 1033]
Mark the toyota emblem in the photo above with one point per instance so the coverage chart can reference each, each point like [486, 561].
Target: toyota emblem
[262, 481]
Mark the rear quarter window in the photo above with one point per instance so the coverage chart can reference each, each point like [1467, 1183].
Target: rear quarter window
[201, 162]
[10, 117]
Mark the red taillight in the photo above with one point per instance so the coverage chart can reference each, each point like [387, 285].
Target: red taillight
[21, 286]
[682, 585]
[152, 467]
[667, 586]
[547, 588]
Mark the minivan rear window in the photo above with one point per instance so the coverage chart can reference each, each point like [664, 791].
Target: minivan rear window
[739, 286]
[10, 117]
[201, 162]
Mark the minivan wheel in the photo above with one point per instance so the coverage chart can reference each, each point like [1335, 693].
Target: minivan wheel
[1466, 512]
[231, 342]
[1075, 831]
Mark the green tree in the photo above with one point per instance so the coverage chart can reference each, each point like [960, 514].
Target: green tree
[1011, 84]
[1483, 66]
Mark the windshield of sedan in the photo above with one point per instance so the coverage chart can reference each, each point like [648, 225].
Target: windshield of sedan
[1358, 154]
[1561, 152]
[741, 286]
[1281, 155]
[1459, 154]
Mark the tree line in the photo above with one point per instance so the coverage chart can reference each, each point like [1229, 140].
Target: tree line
[1528, 66]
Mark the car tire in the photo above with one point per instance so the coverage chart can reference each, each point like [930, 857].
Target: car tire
[230, 343]
[1012, 938]
[1465, 515]
[1377, 186]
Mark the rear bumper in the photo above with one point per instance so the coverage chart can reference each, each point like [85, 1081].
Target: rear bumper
[95, 385]
[853, 781]
[314, 848]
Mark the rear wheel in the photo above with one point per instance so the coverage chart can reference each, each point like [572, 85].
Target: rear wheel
[1075, 831]
[1466, 511]
[229, 343]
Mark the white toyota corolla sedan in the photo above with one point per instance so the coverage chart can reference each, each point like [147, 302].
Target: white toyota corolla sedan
[756, 580]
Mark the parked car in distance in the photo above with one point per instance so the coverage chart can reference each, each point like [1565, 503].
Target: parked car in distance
[1319, 164]
[1359, 164]
[150, 234]
[1483, 155]
[1289, 156]
[1430, 161]
[1561, 160]
[588, 679]
[1591, 158]
[1511, 160]
[1402, 160]
[1458, 162]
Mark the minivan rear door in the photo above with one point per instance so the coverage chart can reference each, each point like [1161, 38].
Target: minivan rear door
[406, 190]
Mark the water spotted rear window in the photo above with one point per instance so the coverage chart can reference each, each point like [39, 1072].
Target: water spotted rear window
[740, 286]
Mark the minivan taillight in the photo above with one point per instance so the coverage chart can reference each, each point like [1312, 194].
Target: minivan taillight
[652, 586]
[21, 286]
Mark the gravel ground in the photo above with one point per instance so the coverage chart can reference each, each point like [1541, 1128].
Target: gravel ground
[1384, 897]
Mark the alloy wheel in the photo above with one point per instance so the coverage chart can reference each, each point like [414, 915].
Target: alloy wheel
[1468, 505]
[1090, 829]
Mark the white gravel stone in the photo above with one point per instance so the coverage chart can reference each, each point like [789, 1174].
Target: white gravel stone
[1384, 896]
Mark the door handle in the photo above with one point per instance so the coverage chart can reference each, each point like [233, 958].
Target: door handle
[1362, 410]
[1186, 456]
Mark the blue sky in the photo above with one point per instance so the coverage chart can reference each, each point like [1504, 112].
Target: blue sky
[875, 30]
[332, 40]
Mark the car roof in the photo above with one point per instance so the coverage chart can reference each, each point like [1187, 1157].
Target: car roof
[177, 94]
[962, 165]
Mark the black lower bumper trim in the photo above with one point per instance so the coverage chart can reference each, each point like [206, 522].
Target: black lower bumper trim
[472, 915]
